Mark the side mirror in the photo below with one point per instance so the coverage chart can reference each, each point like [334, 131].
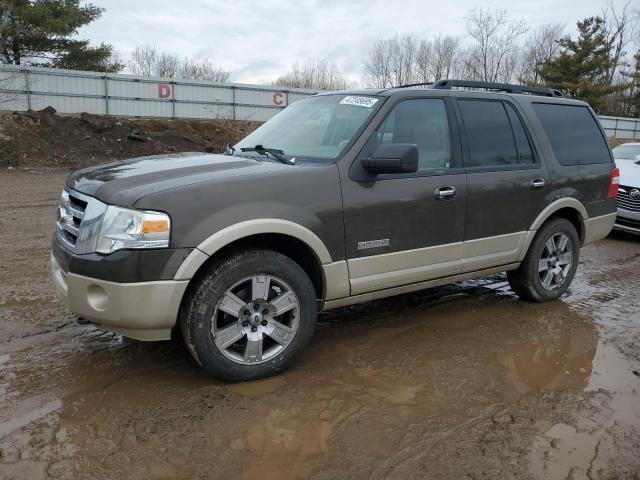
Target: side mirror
[637, 158]
[392, 158]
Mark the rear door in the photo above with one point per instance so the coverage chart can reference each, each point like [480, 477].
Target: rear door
[507, 181]
[407, 228]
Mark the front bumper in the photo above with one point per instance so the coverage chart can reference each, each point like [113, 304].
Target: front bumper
[628, 222]
[140, 310]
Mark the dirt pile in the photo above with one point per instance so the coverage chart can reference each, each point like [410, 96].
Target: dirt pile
[44, 138]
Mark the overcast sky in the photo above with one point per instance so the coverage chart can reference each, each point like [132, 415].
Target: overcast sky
[257, 40]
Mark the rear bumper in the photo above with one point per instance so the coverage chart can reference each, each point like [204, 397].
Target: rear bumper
[628, 222]
[141, 310]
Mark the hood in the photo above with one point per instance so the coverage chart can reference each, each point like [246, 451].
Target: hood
[124, 182]
[629, 172]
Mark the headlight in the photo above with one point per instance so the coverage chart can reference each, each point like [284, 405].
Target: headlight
[125, 228]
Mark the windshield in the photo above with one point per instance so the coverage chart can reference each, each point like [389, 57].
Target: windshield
[626, 152]
[316, 128]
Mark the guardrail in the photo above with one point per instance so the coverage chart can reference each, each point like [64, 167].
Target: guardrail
[70, 91]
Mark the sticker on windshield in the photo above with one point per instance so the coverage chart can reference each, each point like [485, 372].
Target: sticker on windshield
[366, 102]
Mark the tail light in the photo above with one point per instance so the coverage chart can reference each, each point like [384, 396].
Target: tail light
[614, 183]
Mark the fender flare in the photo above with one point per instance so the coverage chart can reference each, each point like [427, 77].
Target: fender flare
[241, 230]
[553, 207]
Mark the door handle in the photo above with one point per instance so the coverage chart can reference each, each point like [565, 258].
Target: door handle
[537, 183]
[447, 192]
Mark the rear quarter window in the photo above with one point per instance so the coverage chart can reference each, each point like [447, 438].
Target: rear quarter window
[574, 135]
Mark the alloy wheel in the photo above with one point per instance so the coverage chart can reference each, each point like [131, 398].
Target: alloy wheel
[555, 261]
[255, 319]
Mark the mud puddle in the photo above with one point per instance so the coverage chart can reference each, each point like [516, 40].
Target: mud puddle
[464, 381]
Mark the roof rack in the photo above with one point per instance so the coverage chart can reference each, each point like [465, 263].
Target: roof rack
[502, 87]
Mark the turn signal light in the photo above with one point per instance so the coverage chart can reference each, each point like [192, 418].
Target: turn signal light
[155, 226]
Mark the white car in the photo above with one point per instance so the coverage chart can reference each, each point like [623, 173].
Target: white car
[627, 157]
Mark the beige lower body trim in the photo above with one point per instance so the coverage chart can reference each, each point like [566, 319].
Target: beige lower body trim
[389, 270]
[336, 280]
[144, 311]
[389, 292]
[378, 272]
[597, 228]
[488, 252]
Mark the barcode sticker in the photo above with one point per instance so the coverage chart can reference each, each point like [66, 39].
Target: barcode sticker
[366, 102]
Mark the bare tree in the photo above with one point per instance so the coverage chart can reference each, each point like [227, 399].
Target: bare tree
[423, 69]
[403, 55]
[202, 70]
[392, 62]
[436, 59]
[619, 32]
[148, 61]
[315, 73]
[539, 47]
[446, 57]
[492, 58]
[377, 65]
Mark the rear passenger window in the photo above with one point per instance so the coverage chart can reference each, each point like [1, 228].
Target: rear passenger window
[525, 155]
[489, 135]
[573, 133]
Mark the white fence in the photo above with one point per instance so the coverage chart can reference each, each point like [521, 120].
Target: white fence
[622, 128]
[70, 91]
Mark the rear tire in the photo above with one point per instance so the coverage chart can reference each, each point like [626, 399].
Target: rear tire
[550, 264]
[250, 315]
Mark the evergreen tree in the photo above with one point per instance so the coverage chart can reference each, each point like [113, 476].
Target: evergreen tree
[40, 32]
[631, 99]
[580, 71]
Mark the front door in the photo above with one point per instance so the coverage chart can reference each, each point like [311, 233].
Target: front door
[407, 228]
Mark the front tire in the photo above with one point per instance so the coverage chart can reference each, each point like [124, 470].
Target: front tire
[250, 315]
[550, 264]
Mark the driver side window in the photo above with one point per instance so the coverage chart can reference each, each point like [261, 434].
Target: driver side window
[423, 122]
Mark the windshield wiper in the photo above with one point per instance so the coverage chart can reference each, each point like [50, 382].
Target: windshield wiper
[275, 153]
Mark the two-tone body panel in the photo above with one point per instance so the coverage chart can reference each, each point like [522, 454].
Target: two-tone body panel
[365, 236]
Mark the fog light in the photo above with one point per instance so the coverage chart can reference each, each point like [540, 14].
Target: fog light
[97, 297]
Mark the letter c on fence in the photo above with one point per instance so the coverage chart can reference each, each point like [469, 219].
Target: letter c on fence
[277, 98]
[164, 90]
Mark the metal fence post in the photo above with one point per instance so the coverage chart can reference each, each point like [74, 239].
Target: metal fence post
[174, 84]
[106, 95]
[27, 86]
[233, 102]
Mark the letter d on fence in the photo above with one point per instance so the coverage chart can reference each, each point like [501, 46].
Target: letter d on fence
[164, 90]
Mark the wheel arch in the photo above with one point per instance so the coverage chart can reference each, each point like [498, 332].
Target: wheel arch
[568, 208]
[291, 239]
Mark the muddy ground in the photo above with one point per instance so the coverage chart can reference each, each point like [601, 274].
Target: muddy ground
[464, 381]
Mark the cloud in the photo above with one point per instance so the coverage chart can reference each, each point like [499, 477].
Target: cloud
[258, 40]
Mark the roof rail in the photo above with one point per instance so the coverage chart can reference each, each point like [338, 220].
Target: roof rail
[502, 87]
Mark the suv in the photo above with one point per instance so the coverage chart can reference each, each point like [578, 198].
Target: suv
[341, 198]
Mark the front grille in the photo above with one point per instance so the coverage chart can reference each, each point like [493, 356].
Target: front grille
[628, 222]
[625, 200]
[71, 212]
